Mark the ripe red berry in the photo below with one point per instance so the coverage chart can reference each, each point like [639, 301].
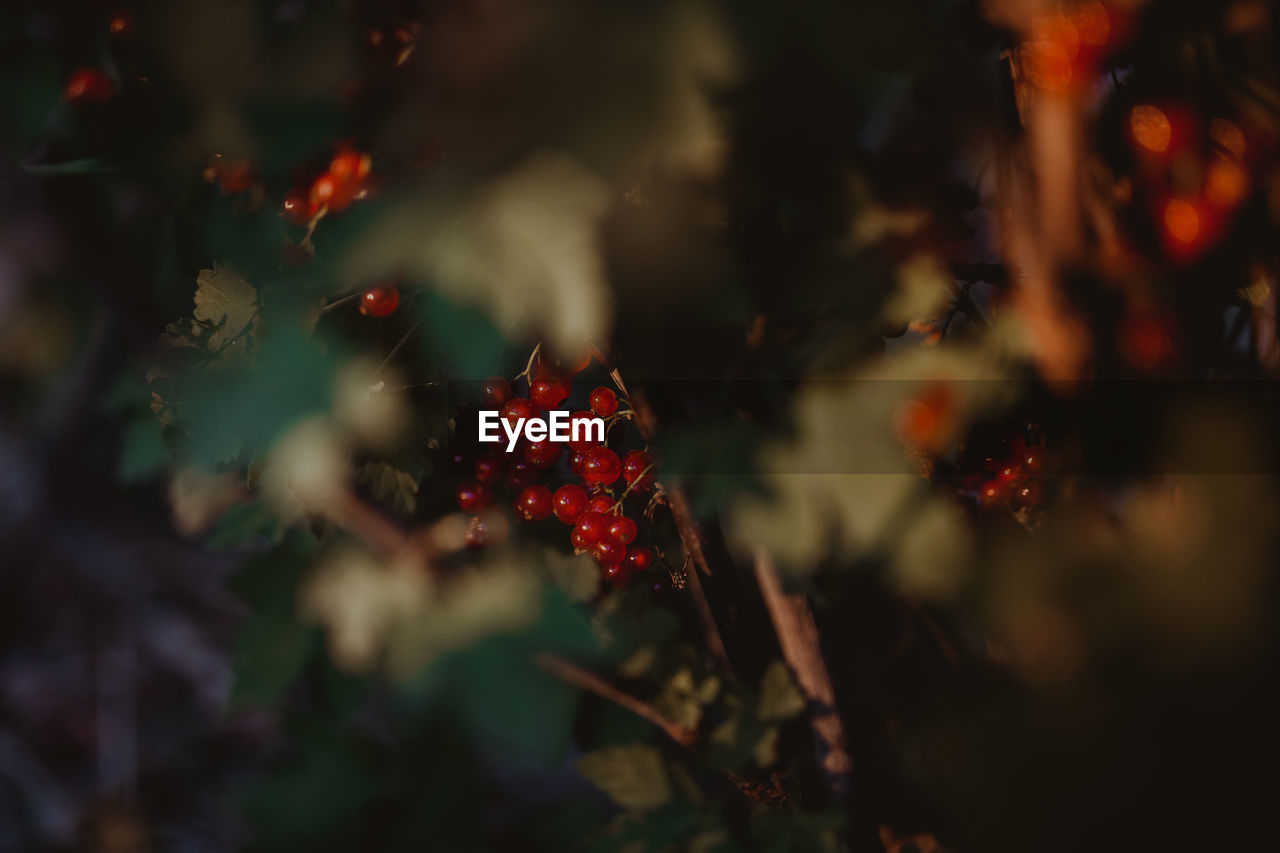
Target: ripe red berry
[639, 559]
[569, 502]
[380, 301]
[88, 86]
[297, 208]
[616, 575]
[542, 454]
[577, 462]
[489, 468]
[1028, 496]
[517, 408]
[622, 529]
[602, 504]
[522, 474]
[583, 442]
[637, 469]
[601, 466]
[472, 495]
[589, 529]
[1010, 473]
[603, 402]
[495, 392]
[610, 553]
[323, 189]
[534, 503]
[350, 167]
[994, 494]
[548, 393]
[1033, 460]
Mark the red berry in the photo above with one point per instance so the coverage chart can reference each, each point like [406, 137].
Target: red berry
[350, 167]
[637, 469]
[577, 462]
[522, 474]
[569, 502]
[495, 392]
[489, 468]
[472, 495]
[517, 408]
[602, 504]
[1028, 496]
[542, 454]
[586, 439]
[616, 575]
[622, 529]
[1010, 473]
[639, 558]
[119, 25]
[610, 553]
[994, 494]
[380, 301]
[603, 402]
[589, 529]
[601, 466]
[297, 208]
[1033, 460]
[534, 503]
[88, 86]
[548, 393]
[578, 364]
[323, 190]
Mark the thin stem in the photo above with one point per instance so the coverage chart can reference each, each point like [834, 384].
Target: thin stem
[395, 349]
[580, 678]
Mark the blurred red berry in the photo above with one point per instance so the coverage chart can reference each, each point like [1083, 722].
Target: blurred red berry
[495, 392]
[472, 495]
[88, 86]
[521, 474]
[489, 468]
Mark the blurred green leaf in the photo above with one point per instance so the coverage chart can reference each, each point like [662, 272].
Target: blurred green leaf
[634, 776]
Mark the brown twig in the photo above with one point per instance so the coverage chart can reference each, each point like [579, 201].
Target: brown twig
[690, 537]
[798, 636]
[580, 678]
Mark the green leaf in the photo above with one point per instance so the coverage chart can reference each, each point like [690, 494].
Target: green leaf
[634, 775]
[780, 698]
[391, 485]
[226, 301]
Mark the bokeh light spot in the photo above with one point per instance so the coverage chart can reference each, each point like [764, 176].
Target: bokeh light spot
[1150, 128]
[1181, 220]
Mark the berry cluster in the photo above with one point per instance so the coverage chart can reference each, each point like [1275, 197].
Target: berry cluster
[600, 481]
[344, 181]
[1006, 473]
